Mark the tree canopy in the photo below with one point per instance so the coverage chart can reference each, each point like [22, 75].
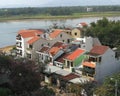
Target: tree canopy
[55, 11]
[23, 77]
[107, 31]
[109, 86]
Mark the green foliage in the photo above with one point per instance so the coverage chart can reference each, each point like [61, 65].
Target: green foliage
[75, 88]
[24, 79]
[54, 11]
[5, 62]
[5, 92]
[45, 92]
[109, 86]
[107, 31]
[89, 87]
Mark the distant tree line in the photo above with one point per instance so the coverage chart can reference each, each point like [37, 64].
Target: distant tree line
[55, 11]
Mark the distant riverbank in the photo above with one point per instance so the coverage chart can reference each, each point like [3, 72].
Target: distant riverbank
[73, 16]
[7, 48]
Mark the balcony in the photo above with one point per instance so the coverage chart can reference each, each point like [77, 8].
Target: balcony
[19, 54]
[87, 71]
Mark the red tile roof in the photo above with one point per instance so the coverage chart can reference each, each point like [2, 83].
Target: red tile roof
[44, 49]
[30, 33]
[55, 48]
[75, 54]
[89, 64]
[83, 24]
[61, 58]
[31, 41]
[55, 33]
[99, 49]
[70, 77]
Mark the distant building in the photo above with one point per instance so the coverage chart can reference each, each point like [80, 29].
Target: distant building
[89, 9]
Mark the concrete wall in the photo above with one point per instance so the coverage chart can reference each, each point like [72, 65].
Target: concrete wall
[107, 67]
[42, 42]
[76, 31]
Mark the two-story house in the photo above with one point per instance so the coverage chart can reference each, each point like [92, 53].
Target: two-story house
[51, 53]
[23, 38]
[101, 62]
[74, 59]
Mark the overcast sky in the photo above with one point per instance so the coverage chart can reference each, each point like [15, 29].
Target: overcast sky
[44, 3]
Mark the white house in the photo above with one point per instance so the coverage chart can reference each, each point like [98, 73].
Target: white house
[101, 63]
[22, 39]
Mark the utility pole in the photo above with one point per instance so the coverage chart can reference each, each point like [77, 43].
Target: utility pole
[116, 88]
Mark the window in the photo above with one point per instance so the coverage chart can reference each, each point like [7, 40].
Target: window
[42, 45]
[99, 60]
[42, 56]
[61, 35]
[29, 56]
[21, 52]
[48, 44]
[31, 46]
[68, 40]
[75, 34]
[71, 64]
[79, 46]
[68, 64]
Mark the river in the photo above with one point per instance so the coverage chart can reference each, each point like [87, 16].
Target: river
[8, 30]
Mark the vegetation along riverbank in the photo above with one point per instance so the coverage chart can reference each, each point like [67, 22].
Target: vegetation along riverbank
[7, 14]
[73, 16]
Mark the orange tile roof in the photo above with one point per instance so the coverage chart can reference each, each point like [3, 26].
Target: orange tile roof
[75, 54]
[31, 41]
[89, 64]
[55, 33]
[55, 48]
[83, 23]
[99, 49]
[29, 33]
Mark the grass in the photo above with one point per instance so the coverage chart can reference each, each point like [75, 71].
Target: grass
[75, 15]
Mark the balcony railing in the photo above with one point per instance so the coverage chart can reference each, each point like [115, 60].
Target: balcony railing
[18, 46]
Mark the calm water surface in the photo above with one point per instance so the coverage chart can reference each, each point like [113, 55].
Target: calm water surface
[8, 30]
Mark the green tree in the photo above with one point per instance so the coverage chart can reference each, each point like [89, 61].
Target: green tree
[45, 91]
[109, 86]
[107, 31]
[24, 80]
[5, 92]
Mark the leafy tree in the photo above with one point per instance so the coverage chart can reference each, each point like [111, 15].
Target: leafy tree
[24, 80]
[74, 88]
[109, 86]
[89, 87]
[45, 92]
[5, 62]
[5, 92]
[107, 31]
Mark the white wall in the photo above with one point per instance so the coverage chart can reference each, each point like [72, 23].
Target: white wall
[107, 67]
